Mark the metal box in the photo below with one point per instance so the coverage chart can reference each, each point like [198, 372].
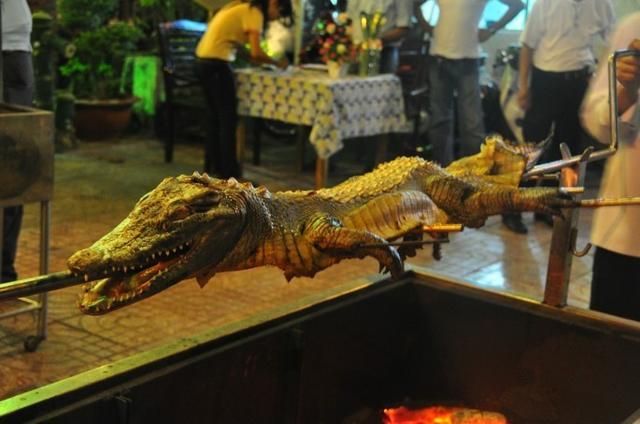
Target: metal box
[26, 155]
[362, 347]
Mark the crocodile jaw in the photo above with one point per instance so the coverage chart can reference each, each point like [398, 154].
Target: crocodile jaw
[125, 285]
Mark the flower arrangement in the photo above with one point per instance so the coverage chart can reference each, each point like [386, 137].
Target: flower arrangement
[332, 40]
[371, 23]
[371, 47]
[335, 43]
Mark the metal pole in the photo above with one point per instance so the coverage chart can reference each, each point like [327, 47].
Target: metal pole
[1, 235]
[45, 228]
[561, 251]
[39, 284]
[1, 62]
[613, 93]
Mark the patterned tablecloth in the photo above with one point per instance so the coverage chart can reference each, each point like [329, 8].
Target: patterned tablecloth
[335, 109]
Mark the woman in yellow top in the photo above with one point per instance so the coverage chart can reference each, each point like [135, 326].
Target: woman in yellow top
[236, 24]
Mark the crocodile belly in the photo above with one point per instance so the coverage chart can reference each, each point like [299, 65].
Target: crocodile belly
[393, 214]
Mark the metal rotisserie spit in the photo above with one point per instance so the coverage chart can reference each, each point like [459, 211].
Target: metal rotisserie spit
[421, 340]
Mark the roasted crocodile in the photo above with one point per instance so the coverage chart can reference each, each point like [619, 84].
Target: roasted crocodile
[197, 226]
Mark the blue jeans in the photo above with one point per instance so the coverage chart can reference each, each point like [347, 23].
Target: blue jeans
[455, 80]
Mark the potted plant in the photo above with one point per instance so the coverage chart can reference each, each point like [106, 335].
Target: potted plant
[99, 45]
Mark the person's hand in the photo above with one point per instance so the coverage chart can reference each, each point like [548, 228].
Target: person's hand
[484, 34]
[628, 69]
[524, 98]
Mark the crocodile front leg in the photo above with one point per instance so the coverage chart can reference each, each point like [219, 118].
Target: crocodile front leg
[328, 235]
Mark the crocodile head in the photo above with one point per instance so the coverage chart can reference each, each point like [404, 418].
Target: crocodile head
[181, 229]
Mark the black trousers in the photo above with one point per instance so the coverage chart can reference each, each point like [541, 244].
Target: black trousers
[556, 98]
[219, 88]
[615, 285]
[18, 85]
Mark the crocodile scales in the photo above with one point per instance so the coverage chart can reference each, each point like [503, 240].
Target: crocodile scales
[196, 226]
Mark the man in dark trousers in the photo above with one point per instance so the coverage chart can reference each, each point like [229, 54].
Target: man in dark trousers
[18, 88]
[556, 62]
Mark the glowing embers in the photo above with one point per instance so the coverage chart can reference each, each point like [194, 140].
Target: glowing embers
[441, 415]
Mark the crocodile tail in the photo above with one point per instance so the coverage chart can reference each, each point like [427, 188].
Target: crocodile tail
[500, 161]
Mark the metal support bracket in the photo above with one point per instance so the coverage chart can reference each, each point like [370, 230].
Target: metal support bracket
[564, 232]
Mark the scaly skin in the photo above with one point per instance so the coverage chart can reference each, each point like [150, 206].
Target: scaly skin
[196, 226]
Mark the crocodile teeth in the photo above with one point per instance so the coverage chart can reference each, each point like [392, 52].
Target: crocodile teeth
[125, 268]
[174, 250]
[86, 278]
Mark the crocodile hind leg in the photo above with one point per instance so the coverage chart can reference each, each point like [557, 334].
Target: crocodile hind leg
[410, 249]
[328, 235]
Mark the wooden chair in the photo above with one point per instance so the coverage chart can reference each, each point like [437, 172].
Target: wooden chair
[178, 41]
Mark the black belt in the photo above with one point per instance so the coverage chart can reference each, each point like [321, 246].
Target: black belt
[583, 73]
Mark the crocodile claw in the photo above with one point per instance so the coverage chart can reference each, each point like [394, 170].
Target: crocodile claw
[394, 264]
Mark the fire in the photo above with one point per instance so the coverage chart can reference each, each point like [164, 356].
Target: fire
[441, 415]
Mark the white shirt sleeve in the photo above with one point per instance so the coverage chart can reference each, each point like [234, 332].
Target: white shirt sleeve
[608, 19]
[595, 107]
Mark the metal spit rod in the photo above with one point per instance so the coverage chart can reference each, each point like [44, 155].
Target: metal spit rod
[59, 280]
[39, 284]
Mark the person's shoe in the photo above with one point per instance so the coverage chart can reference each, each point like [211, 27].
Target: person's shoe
[543, 217]
[513, 221]
[8, 276]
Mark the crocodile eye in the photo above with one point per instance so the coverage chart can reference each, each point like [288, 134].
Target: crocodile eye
[206, 203]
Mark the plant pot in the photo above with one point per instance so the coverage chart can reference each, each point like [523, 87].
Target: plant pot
[102, 119]
[337, 70]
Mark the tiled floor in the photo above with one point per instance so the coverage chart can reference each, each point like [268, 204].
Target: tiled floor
[97, 185]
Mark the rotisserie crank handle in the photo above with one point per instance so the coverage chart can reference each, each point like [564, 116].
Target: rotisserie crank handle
[40, 284]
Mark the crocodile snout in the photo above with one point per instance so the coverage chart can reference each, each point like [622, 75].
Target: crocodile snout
[85, 259]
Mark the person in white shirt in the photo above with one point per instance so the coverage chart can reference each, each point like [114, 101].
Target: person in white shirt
[18, 88]
[454, 73]
[397, 14]
[556, 63]
[615, 285]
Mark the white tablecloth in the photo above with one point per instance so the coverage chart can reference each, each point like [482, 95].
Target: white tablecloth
[335, 109]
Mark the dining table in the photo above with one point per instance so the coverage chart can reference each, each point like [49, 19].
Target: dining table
[336, 109]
